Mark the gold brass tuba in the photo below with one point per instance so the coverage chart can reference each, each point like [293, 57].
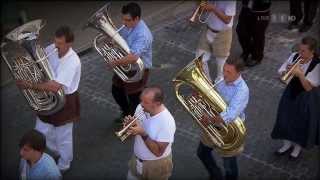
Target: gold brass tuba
[111, 46]
[197, 13]
[287, 76]
[28, 61]
[123, 134]
[228, 138]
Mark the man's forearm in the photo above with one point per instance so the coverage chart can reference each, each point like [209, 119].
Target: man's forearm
[126, 60]
[46, 86]
[153, 146]
[226, 19]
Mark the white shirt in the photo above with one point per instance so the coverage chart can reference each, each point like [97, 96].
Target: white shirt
[228, 8]
[313, 77]
[160, 127]
[66, 70]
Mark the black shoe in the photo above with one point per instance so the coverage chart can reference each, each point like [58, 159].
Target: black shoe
[278, 153]
[293, 26]
[304, 28]
[252, 63]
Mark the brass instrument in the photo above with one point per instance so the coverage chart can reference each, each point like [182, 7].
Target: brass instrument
[123, 134]
[198, 13]
[111, 46]
[28, 61]
[228, 138]
[287, 76]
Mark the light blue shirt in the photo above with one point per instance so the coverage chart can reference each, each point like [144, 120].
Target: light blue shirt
[139, 40]
[236, 95]
[45, 168]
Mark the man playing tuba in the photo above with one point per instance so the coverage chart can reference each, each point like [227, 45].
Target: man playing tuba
[57, 127]
[139, 39]
[234, 90]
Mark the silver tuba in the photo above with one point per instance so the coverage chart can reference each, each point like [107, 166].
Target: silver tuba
[111, 46]
[28, 61]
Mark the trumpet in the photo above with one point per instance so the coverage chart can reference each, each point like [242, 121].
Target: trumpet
[198, 13]
[123, 134]
[287, 76]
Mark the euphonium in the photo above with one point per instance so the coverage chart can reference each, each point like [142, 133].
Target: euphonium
[228, 138]
[198, 13]
[27, 61]
[123, 134]
[287, 76]
[111, 46]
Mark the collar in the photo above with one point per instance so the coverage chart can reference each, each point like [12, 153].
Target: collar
[69, 53]
[235, 82]
[38, 162]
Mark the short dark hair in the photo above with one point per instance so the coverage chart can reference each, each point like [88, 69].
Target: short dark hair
[158, 95]
[35, 139]
[311, 42]
[65, 31]
[133, 9]
[236, 62]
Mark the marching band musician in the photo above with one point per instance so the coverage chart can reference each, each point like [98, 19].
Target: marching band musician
[67, 69]
[291, 125]
[217, 37]
[154, 135]
[139, 39]
[234, 90]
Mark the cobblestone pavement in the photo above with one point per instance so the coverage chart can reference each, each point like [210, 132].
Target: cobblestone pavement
[98, 154]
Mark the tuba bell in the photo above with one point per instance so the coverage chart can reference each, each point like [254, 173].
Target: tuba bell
[227, 138]
[111, 46]
[28, 61]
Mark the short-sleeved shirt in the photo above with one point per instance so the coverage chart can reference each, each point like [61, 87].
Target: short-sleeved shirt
[139, 40]
[66, 70]
[45, 168]
[228, 8]
[160, 127]
[313, 76]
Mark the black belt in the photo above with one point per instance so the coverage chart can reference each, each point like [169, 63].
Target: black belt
[213, 30]
[140, 160]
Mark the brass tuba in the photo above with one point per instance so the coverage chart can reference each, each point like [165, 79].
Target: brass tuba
[228, 138]
[28, 61]
[287, 76]
[111, 46]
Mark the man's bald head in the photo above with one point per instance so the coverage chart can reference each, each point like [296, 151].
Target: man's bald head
[155, 92]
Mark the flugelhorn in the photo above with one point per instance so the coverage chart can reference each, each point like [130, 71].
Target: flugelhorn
[287, 76]
[112, 47]
[123, 134]
[198, 12]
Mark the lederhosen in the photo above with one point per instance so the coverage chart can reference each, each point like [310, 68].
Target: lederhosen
[288, 124]
[133, 87]
[69, 113]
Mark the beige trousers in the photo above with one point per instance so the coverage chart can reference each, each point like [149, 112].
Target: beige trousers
[160, 169]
